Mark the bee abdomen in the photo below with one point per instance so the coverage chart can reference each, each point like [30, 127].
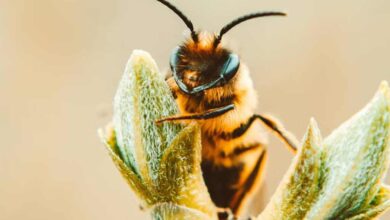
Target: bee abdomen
[230, 185]
[240, 150]
[221, 181]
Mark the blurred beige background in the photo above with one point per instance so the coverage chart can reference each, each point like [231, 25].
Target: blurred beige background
[61, 60]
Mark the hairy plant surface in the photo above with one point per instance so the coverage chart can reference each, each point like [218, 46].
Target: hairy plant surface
[341, 176]
[161, 163]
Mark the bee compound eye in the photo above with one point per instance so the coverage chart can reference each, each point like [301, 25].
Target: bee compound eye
[174, 58]
[230, 67]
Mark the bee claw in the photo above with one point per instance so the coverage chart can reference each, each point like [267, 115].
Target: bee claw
[225, 214]
[160, 121]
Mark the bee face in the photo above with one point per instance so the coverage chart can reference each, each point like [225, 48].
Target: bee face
[200, 65]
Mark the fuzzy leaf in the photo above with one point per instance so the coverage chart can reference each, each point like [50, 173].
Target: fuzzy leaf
[342, 179]
[299, 187]
[142, 98]
[161, 162]
[181, 181]
[134, 181]
[170, 211]
[356, 158]
[380, 204]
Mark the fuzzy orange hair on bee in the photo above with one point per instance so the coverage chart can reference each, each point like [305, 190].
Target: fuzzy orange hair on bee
[212, 86]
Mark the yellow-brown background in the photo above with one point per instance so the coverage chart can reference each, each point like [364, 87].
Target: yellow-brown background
[60, 62]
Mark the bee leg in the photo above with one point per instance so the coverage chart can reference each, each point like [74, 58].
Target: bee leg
[225, 214]
[252, 182]
[212, 113]
[281, 132]
[272, 124]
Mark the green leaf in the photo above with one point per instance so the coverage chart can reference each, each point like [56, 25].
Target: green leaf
[356, 159]
[161, 162]
[342, 179]
[170, 211]
[299, 188]
[377, 206]
[142, 98]
[180, 178]
[134, 181]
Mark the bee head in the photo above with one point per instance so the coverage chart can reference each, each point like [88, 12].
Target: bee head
[201, 63]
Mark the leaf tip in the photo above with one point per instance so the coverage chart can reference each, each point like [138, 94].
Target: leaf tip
[313, 123]
[385, 90]
[313, 131]
[142, 58]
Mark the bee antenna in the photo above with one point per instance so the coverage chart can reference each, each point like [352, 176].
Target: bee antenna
[183, 17]
[241, 19]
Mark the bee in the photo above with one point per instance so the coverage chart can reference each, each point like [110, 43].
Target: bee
[212, 86]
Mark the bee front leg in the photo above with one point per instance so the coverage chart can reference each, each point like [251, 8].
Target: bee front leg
[212, 113]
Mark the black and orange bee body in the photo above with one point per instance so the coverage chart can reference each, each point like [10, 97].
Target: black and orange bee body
[211, 85]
